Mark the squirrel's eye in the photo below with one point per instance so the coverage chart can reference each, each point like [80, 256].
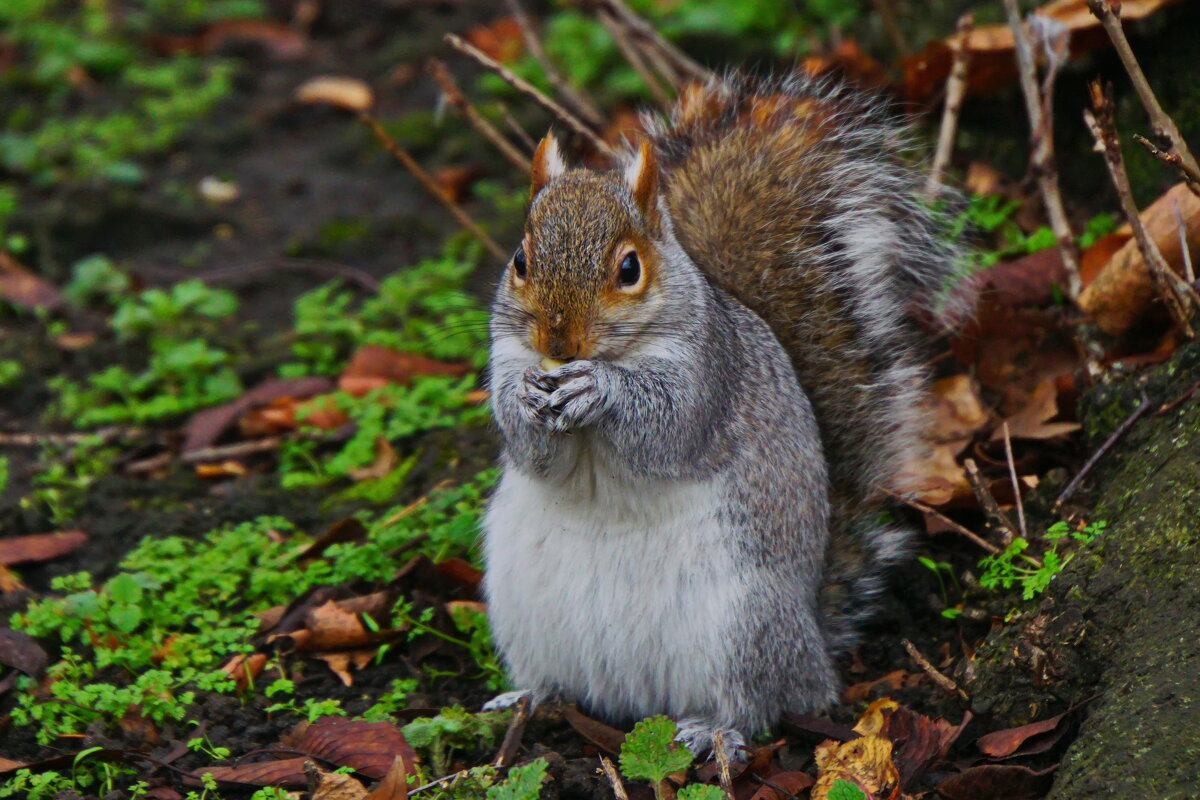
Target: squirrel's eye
[518, 261]
[630, 271]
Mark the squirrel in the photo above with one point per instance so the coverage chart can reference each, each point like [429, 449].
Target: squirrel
[704, 376]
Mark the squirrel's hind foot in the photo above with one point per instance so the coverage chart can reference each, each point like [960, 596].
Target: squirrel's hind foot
[698, 736]
[510, 700]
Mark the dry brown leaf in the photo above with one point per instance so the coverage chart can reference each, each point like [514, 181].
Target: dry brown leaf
[340, 91]
[455, 181]
[374, 366]
[598, 733]
[1000, 744]
[385, 461]
[285, 772]
[8, 765]
[394, 785]
[334, 785]
[958, 412]
[935, 477]
[501, 39]
[998, 782]
[9, 581]
[207, 426]
[244, 668]
[865, 762]
[21, 287]
[896, 679]
[38, 547]
[1119, 295]
[229, 468]
[784, 786]
[369, 747]
[1033, 421]
[992, 65]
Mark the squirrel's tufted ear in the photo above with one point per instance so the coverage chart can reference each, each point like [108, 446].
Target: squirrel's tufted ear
[547, 164]
[642, 177]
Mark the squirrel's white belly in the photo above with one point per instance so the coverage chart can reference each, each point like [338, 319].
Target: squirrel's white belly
[614, 592]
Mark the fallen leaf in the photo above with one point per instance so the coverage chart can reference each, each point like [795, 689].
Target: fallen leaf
[284, 772]
[998, 782]
[598, 733]
[1000, 744]
[368, 747]
[38, 547]
[21, 287]
[455, 181]
[21, 651]
[229, 468]
[244, 668]
[991, 65]
[460, 570]
[374, 366]
[278, 39]
[896, 679]
[501, 39]
[1119, 295]
[207, 426]
[340, 91]
[324, 785]
[394, 785]
[385, 461]
[783, 786]
[8, 765]
[957, 411]
[1033, 421]
[341, 532]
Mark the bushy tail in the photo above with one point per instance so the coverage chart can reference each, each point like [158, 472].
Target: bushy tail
[793, 195]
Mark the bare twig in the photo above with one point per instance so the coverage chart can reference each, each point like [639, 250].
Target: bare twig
[614, 779]
[1189, 274]
[236, 450]
[887, 15]
[564, 116]
[515, 127]
[956, 88]
[1039, 107]
[722, 758]
[988, 502]
[1191, 179]
[1012, 474]
[430, 186]
[1163, 126]
[577, 100]
[1179, 298]
[1112, 439]
[634, 56]
[353, 274]
[456, 98]
[676, 66]
[102, 436]
[512, 737]
[954, 526]
[930, 670]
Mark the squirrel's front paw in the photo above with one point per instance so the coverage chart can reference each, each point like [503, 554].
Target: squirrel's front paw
[579, 398]
[533, 397]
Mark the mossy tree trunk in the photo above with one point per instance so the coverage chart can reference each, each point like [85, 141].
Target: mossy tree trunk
[1123, 621]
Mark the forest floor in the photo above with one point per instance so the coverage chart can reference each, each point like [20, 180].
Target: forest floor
[245, 443]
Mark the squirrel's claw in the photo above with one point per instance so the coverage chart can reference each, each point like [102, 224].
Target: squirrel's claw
[510, 700]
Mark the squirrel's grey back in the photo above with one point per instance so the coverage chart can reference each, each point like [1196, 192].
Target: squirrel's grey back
[791, 195]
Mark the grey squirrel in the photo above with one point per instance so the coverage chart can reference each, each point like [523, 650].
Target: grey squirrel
[704, 376]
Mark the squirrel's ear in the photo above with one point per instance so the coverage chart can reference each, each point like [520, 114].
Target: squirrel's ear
[642, 176]
[547, 164]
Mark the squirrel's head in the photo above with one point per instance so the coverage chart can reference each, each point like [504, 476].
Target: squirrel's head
[587, 277]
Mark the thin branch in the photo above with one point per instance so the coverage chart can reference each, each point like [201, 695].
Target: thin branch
[1039, 108]
[987, 502]
[614, 779]
[956, 89]
[236, 450]
[1192, 179]
[930, 670]
[954, 526]
[564, 116]
[678, 68]
[430, 186]
[1160, 121]
[634, 56]
[1012, 474]
[887, 15]
[515, 127]
[456, 98]
[577, 100]
[512, 737]
[1179, 298]
[722, 759]
[1113, 438]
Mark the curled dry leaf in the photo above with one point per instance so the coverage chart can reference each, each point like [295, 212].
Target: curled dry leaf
[997, 782]
[369, 747]
[783, 786]
[374, 366]
[865, 761]
[285, 772]
[323, 785]
[990, 47]
[1001, 744]
[341, 91]
[958, 412]
[1118, 296]
[394, 785]
[207, 426]
[896, 679]
[1033, 420]
[21, 287]
[37, 547]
